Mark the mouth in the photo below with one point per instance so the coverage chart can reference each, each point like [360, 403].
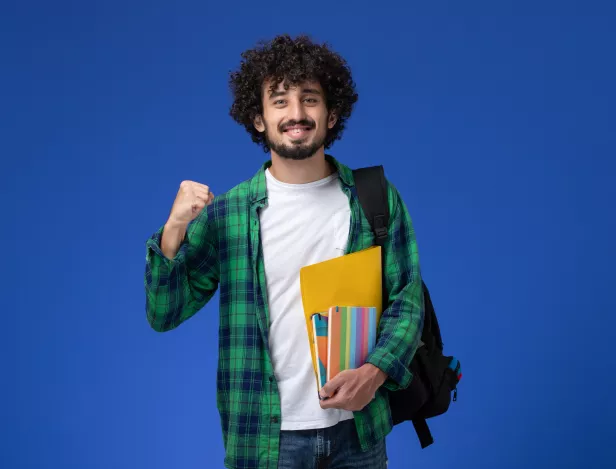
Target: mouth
[297, 132]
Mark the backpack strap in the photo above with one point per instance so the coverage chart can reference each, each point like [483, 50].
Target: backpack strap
[371, 188]
[423, 432]
[372, 192]
[436, 341]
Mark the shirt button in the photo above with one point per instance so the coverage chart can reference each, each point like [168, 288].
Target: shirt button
[274, 419]
[271, 378]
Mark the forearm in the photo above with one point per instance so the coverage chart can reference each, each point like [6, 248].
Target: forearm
[399, 332]
[179, 285]
[172, 237]
[167, 295]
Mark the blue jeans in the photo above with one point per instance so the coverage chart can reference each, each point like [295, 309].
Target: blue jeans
[335, 447]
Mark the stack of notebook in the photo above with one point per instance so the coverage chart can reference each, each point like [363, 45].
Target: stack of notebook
[342, 307]
[343, 338]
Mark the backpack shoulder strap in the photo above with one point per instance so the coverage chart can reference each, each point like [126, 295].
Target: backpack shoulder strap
[371, 187]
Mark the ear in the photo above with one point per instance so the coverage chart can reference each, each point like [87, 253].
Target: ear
[258, 123]
[332, 119]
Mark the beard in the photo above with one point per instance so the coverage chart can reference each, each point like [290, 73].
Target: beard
[296, 151]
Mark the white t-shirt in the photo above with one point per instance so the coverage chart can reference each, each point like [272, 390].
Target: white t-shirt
[302, 224]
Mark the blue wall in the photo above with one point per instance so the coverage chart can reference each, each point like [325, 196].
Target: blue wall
[490, 117]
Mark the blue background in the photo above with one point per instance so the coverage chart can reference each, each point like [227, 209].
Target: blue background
[490, 117]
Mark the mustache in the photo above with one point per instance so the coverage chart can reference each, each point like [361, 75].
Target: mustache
[304, 122]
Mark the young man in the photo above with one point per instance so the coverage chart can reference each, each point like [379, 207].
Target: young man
[294, 98]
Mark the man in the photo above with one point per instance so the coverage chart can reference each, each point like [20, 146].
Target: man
[294, 98]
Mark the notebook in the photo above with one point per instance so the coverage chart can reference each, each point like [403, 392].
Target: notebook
[320, 332]
[351, 333]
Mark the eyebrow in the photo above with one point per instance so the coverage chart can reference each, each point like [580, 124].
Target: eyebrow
[275, 94]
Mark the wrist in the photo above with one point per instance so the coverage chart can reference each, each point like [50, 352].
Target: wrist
[175, 226]
[376, 375]
[172, 237]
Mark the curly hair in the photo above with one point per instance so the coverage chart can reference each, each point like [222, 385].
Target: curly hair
[292, 61]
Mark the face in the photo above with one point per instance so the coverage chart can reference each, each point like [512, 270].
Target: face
[295, 121]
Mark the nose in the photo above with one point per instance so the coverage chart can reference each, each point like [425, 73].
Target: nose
[297, 112]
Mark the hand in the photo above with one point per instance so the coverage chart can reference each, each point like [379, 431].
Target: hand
[191, 199]
[352, 389]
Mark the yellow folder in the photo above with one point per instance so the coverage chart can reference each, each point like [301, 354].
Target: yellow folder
[349, 280]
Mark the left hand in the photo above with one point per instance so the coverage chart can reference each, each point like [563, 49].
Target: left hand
[352, 390]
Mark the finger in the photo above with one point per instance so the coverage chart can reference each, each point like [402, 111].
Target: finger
[198, 203]
[208, 197]
[202, 198]
[327, 404]
[332, 385]
[334, 402]
[203, 193]
[198, 185]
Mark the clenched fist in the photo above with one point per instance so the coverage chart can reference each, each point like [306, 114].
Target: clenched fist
[190, 200]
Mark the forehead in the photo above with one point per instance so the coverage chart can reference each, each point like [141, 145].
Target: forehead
[284, 86]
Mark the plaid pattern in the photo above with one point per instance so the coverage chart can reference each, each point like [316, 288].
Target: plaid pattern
[222, 250]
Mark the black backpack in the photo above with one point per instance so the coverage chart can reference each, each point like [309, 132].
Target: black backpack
[435, 375]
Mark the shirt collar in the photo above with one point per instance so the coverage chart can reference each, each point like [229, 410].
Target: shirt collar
[258, 191]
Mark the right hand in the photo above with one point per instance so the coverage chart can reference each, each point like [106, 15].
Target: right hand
[191, 199]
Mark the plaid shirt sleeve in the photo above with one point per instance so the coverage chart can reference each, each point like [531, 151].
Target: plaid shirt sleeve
[178, 288]
[402, 322]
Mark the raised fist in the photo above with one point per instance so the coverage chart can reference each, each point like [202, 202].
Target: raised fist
[192, 197]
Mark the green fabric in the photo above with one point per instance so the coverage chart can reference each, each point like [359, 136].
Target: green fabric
[222, 251]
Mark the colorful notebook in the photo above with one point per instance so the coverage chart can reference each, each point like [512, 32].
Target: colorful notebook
[320, 328]
[351, 337]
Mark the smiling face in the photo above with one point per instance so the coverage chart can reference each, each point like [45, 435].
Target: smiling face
[295, 121]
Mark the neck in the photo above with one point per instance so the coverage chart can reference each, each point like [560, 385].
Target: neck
[305, 171]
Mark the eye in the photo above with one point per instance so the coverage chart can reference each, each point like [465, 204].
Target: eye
[312, 100]
[278, 101]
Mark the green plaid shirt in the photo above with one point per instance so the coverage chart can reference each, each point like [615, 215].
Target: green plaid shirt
[222, 250]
